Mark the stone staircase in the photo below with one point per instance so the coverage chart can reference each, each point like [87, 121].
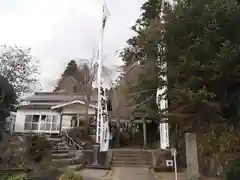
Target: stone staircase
[132, 159]
[62, 155]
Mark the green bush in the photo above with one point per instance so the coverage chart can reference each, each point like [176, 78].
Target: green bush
[7, 176]
[17, 177]
[38, 148]
[234, 173]
[78, 135]
[70, 176]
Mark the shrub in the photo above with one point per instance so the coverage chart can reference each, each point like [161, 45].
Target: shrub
[234, 173]
[17, 177]
[12, 153]
[7, 176]
[38, 149]
[78, 135]
[70, 176]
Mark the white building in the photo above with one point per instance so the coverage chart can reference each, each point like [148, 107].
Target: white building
[50, 112]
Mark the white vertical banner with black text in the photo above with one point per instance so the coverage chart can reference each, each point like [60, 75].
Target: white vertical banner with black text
[102, 131]
[163, 125]
[104, 134]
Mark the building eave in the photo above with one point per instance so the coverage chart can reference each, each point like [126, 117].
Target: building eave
[72, 102]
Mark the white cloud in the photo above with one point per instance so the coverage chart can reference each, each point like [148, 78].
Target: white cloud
[61, 30]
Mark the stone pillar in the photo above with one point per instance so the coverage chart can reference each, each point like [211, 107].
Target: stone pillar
[95, 154]
[192, 156]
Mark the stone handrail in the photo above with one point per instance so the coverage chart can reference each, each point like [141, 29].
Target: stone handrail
[70, 141]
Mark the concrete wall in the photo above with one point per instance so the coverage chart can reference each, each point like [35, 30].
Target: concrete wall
[21, 114]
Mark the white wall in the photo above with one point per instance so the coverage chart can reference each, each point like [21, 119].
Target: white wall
[20, 118]
[77, 109]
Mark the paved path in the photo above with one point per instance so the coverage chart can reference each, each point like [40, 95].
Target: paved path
[131, 174]
[121, 173]
[93, 174]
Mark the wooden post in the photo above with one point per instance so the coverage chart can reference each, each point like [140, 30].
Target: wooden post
[61, 119]
[144, 133]
[117, 144]
[78, 120]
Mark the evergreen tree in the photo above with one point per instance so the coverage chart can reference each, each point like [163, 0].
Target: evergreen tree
[143, 49]
[202, 53]
[71, 70]
[202, 56]
[199, 42]
[7, 98]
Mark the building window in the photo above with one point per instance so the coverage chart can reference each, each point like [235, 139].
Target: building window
[31, 122]
[41, 122]
[28, 122]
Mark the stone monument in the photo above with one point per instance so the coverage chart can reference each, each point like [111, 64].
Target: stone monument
[192, 156]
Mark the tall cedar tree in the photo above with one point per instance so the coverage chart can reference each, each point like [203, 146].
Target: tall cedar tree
[143, 49]
[202, 53]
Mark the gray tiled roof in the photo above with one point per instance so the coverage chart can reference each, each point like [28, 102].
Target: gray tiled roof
[55, 97]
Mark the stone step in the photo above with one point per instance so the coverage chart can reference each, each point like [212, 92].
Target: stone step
[60, 142]
[132, 162]
[132, 152]
[131, 165]
[61, 156]
[55, 135]
[130, 158]
[74, 167]
[60, 148]
[66, 161]
[133, 155]
[55, 139]
[134, 159]
[58, 151]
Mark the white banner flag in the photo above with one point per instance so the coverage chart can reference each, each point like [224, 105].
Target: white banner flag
[104, 133]
[164, 139]
[163, 126]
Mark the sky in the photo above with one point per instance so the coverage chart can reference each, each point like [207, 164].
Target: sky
[58, 31]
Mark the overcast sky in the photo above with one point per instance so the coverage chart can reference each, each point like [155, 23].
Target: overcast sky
[61, 30]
